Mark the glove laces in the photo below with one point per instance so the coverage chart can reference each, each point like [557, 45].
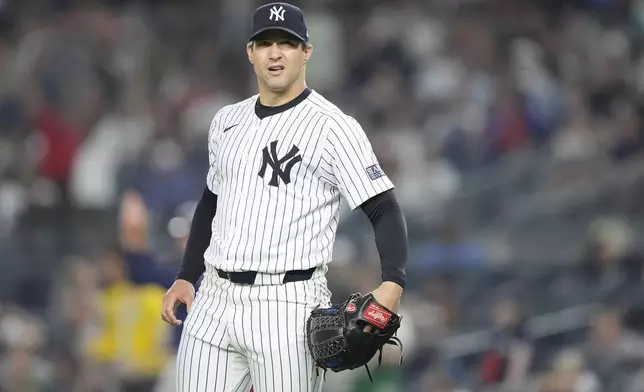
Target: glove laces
[394, 341]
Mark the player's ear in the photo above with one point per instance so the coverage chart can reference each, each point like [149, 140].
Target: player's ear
[249, 52]
[308, 51]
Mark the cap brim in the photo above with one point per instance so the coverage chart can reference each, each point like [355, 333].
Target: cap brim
[293, 33]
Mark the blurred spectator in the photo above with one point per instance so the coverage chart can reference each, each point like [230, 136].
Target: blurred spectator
[117, 138]
[146, 270]
[132, 343]
[74, 322]
[576, 141]
[610, 266]
[164, 179]
[629, 141]
[508, 359]
[510, 122]
[508, 128]
[542, 96]
[612, 349]
[569, 373]
[22, 367]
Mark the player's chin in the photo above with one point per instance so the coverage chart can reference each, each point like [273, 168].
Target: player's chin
[278, 88]
[277, 83]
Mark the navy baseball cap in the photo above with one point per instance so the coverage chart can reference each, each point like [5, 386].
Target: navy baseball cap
[280, 16]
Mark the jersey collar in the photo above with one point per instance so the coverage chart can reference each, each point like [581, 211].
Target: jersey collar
[263, 111]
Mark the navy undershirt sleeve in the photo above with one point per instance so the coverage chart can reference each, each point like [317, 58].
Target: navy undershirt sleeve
[193, 265]
[386, 217]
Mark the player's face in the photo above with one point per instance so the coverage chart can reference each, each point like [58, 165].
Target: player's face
[279, 60]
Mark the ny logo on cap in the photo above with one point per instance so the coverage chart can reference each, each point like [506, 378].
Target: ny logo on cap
[277, 13]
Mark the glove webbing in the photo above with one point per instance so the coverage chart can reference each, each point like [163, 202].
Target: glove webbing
[394, 341]
[317, 373]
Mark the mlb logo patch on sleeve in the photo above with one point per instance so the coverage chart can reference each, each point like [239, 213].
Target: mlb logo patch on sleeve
[375, 172]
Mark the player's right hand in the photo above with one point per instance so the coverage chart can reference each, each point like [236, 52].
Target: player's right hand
[181, 291]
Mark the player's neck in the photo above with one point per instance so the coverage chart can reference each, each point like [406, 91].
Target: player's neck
[270, 98]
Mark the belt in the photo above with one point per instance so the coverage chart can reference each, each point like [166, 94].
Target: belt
[248, 277]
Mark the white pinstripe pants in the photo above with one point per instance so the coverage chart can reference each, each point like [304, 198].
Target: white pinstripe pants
[238, 336]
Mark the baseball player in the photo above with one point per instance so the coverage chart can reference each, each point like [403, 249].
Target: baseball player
[263, 231]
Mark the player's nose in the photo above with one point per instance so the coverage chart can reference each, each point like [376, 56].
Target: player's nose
[274, 52]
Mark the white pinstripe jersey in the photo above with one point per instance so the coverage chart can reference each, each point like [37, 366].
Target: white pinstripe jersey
[279, 181]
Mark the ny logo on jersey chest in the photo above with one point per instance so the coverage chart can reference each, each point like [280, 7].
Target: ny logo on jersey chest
[270, 158]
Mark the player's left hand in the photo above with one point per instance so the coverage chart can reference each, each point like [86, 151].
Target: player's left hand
[388, 294]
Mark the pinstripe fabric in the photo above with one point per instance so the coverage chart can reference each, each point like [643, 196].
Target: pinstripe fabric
[259, 337]
[275, 318]
[204, 367]
[236, 335]
[273, 229]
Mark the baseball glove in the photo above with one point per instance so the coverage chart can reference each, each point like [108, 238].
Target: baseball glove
[336, 336]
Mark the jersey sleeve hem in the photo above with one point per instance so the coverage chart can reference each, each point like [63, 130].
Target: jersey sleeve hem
[356, 203]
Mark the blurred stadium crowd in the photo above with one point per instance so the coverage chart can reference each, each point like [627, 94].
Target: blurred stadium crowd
[513, 130]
